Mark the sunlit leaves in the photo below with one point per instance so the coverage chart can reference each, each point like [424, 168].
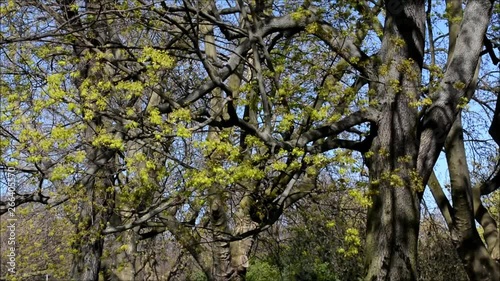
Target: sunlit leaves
[159, 58]
[360, 197]
[64, 136]
[61, 171]
[353, 243]
[155, 117]
[131, 88]
[107, 140]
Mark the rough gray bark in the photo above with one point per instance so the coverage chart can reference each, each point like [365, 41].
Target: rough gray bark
[393, 220]
[477, 261]
[94, 208]
[240, 249]
[93, 213]
[457, 79]
[221, 252]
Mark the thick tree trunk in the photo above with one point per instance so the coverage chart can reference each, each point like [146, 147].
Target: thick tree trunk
[229, 260]
[221, 252]
[240, 249]
[87, 263]
[94, 200]
[91, 218]
[439, 117]
[478, 263]
[393, 219]
[221, 269]
[125, 265]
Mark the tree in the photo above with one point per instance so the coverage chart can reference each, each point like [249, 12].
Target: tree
[320, 238]
[45, 249]
[204, 121]
[477, 257]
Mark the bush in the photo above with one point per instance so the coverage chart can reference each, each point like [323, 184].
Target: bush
[260, 270]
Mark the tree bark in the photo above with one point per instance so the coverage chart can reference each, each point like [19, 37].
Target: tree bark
[477, 261]
[452, 88]
[92, 216]
[221, 251]
[240, 249]
[393, 219]
[95, 202]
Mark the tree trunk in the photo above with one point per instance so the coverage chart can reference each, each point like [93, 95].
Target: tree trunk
[221, 252]
[393, 219]
[92, 216]
[125, 260]
[477, 261]
[240, 249]
[94, 200]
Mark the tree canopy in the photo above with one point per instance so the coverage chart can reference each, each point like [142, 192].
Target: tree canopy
[155, 140]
